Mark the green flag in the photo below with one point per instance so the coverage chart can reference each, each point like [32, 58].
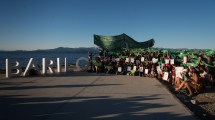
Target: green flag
[209, 53]
[206, 64]
[120, 41]
[193, 57]
[164, 51]
[109, 67]
[192, 64]
[173, 56]
[179, 60]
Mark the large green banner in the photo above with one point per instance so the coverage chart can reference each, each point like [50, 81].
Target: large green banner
[110, 42]
[120, 41]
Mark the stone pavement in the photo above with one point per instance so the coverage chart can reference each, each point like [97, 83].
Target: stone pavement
[88, 96]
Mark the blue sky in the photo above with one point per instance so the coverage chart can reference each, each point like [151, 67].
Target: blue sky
[45, 24]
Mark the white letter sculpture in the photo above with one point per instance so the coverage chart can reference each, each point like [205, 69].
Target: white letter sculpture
[50, 66]
[77, 64]
[9, 68]
[31, 65]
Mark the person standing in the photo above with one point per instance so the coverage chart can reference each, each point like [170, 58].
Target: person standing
[90, 58]
[106, 52]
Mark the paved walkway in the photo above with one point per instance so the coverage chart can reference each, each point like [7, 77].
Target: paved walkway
[88, 96]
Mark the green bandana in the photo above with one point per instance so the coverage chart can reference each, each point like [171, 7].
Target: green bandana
[164, 51]
[133, 71]
[206, 64]
[109, 67]
[98, 64]
[123, 57]
[179, 60]
[173, 56]
[192, 64]
[209, 53]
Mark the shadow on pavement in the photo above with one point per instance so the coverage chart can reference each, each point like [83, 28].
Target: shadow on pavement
[55, 86]
[14, 107]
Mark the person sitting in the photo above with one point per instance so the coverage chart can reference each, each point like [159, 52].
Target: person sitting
[152, 72]
[109, 68]
[195, 80]
[128, 71]
[141, 70]
[173, 75]
[204, 76]
[133, 71]
[184, 82]
[147, 70]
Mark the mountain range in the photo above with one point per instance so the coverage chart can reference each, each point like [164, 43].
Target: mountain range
[61, 50]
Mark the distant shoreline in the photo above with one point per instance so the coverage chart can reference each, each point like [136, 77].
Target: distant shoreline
[59, 50]
[86, 49]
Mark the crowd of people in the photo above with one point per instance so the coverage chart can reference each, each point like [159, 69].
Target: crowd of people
[184, 69]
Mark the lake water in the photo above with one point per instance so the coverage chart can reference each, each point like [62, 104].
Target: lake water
[24, 57]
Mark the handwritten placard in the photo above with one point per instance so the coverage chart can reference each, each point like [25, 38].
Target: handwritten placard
[165, 76]
[135, 68]
[132, 60]
[178, 71]
[172, 61]
[142, 59]
[154, 60]
[141, 69]
[146, 71]
[119, 69]
[117, 59]
[166, 61]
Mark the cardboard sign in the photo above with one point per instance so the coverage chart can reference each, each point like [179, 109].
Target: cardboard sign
[185, 60]
[172, 61]
[119, 69]
[146, 71]
[178, 71]
[166, 61]
[141, 69]
[135, 68]
[165, 76]
[154, 60]
[142, 59]
[132, 60]
[117, 59]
